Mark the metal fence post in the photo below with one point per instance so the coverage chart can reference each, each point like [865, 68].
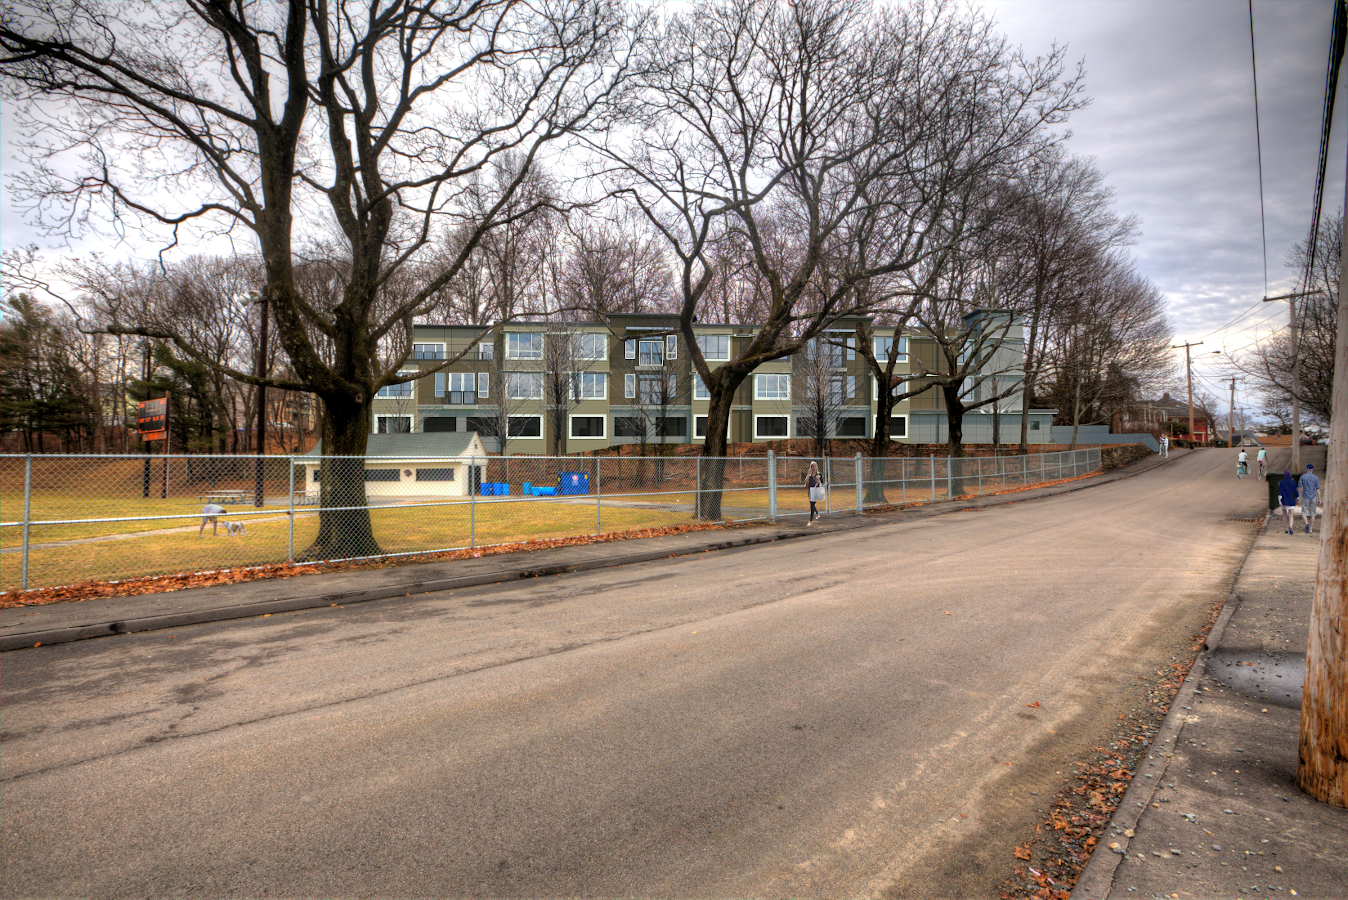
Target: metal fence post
[472, 501]
[903, 476]
[290, 552]
[980, 474]
[858, 464]
[950, 478]
[697, 491]
[1041, 466]
[933, 478]
[598, 500]
[772, 487]
[828, 482]
[27, 515]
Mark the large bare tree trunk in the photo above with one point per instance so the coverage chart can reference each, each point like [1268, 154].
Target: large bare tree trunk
[344, 520]
[1322, 760]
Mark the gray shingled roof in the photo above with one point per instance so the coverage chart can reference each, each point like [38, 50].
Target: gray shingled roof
[435, 444]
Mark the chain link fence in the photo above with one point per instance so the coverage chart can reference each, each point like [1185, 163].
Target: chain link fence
[66, 519]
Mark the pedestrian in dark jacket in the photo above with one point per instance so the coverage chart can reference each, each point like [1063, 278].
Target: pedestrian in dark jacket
[1287, 499]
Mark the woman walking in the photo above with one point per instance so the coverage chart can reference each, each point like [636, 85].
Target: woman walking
[814, 486]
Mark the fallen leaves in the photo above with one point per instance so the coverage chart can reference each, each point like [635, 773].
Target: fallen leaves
[1034, 705]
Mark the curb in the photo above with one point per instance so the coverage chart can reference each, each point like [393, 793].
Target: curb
[315, 601]
[1097, 879]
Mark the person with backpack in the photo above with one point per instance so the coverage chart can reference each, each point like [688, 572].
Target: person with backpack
[814, 487]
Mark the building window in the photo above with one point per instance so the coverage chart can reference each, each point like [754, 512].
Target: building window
[457, 388]
[629, 427]
[700, 391]
[486, 350]
[524, 346]
[398, 391]
[392, 424]
[590, 346]
[672, 346]
[629, 349]
[483, 425]
[428, 351]
[774, 427]
[852, 426]
[882, 346]
[483, 383]
[630, 386]
[699, 426]
[435, 474]
[833, 355]
[772, 387]
[435, 424]
[651, 353]
[525, 385]
[1034, 424]
[898, 426]
[589, 386]
[841, 388]
[382, 475]
[671, 426]
[587, 426]
[714, 346]
[655, 390]
[525, 426]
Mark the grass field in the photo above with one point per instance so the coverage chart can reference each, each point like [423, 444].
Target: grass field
[94, 552]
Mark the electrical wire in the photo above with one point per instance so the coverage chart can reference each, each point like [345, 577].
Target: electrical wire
[1259, 148]
[1336, 46]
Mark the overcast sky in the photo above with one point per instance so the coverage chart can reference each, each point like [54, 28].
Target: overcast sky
[1172, 126]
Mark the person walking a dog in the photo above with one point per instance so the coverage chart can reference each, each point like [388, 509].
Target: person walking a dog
[211, 513]
[814, 487]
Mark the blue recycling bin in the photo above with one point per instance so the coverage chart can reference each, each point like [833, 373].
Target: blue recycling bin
[571, 484]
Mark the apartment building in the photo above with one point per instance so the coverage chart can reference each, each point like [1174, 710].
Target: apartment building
[634, 383]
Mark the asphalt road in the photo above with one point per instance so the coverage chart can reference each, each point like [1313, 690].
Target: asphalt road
[841, 716]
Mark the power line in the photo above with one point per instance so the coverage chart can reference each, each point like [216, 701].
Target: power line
[1336, 45]
[1259, 148]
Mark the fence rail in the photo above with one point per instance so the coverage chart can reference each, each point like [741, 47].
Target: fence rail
[108, 518]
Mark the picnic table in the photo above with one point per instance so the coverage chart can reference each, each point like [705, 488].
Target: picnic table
[223, 497]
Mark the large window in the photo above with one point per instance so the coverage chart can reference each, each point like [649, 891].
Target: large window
[589, 386]
[655, 390]
[699, 426]
[590, 346]
[428, 351]
[393, 424]
[773, 427]
[772, 387]
[852, 426]
[483, 425]
[443, 474]
[587, 426]
[525, 385]
[433, 424]
[714, 346]
[524, 346]
[898, 426]
[382, 475]
[398, 391]
[525, 426]
[835, 349]
[457, 388]
[883, 345]
[650, 353]
[629, 426]
[841, 388]
[671, 427]
[700, 391]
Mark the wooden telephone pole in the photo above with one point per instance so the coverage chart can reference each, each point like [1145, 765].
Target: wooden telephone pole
[1189, 379]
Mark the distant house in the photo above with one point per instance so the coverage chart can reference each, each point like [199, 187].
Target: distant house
[1160, 413]
[434, 464]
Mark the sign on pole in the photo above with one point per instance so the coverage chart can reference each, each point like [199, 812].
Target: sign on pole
[152, 419]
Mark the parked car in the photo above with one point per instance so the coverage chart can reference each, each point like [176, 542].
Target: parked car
[1307, 440]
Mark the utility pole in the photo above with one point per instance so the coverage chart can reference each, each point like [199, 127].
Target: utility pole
[1322, 763]
[1231, 422]
[1189, 379]
[1296, 374]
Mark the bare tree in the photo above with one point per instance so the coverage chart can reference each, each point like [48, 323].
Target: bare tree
[820, 390]
[373, 119]
[816, 132]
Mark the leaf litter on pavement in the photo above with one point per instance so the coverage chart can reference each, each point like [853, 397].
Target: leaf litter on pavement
[1045, 866]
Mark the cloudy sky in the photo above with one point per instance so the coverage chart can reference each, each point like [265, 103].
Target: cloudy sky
[1172, 126]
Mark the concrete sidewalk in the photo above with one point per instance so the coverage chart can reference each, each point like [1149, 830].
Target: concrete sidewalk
[1215, 811]
[58, 623]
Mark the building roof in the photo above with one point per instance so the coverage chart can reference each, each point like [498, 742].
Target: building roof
[437, 444]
